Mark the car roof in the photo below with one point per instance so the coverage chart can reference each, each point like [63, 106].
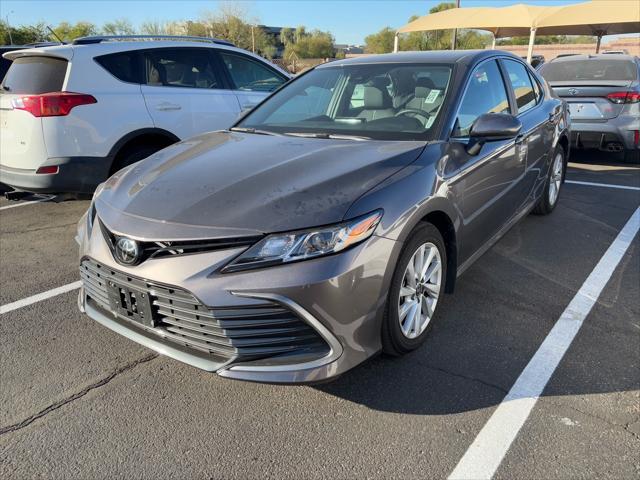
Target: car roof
[68, 51]
[433, 56]
[599, 56]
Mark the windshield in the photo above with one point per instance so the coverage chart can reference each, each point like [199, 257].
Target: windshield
[379, 101]
[593, 69]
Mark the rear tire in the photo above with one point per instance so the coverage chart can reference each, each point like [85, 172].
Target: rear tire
[409, 316]
[553, 185]
[632, 156]
[133, 154]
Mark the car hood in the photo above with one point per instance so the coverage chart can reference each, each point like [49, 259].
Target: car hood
[231, 184]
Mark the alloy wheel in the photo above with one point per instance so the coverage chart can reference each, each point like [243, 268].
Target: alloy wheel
[420, 290]
[555, 179]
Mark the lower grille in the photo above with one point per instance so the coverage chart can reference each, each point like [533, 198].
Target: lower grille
[234, 333]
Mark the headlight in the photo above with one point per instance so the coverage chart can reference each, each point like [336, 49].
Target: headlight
[295, 246]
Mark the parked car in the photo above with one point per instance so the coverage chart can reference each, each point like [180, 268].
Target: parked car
[603, 93]
[317, 231]
[536, 61]
[68, 125]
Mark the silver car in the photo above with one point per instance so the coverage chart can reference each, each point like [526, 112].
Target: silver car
[603, 94]
[327, 224]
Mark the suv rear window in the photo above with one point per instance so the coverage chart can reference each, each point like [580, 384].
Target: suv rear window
[35, 75]
[594, 69]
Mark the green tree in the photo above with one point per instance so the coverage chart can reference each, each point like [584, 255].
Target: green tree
[315, 44]
[67, 32]
[121, 26]
[23, 34]
[287, 36]
[380, 42]
[153, 27]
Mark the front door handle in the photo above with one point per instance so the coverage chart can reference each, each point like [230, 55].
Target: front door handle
[248, 106]
[166, 106]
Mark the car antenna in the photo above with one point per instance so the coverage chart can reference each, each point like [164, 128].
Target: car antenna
[55, 35]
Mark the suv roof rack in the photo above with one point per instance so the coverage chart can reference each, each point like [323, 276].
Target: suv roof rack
[106, 38]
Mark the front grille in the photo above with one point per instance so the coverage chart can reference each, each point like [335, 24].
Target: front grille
[234, 333]
[159, 249]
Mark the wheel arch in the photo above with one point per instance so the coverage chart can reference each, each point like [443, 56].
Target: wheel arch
[445, 225]
[158, 136]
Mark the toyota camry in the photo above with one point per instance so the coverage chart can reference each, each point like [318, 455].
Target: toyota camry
[325, 226]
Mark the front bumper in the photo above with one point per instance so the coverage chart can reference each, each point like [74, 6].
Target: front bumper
[75, 175]
[341, 297]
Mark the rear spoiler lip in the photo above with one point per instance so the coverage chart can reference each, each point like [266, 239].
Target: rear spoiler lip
[64, 52]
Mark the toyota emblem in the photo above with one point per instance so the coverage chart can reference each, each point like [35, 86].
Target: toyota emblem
[127, 251]
[574, 91]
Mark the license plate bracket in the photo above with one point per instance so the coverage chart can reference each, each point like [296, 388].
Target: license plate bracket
[131, 303]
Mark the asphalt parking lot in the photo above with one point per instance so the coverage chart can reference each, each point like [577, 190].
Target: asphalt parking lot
[79, 401]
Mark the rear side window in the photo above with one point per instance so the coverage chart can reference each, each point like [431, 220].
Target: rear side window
[592, 69]
[182, 67]
[125, 66]
[521, 83]
[249, 75]
[485, 93]
[35, 75]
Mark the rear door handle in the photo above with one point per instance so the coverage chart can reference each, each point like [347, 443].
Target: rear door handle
[166, 106]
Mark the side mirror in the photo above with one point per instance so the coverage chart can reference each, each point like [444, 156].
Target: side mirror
[490, 127]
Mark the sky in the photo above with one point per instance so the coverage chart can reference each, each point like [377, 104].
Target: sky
[348, 20]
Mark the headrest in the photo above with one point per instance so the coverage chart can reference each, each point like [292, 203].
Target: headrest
[424, 85]
[374, 98]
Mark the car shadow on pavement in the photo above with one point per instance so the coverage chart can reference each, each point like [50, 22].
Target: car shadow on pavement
[504, 306]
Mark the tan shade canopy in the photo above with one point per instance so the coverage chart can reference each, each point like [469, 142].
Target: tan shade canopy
[502, 22]
[599, 17]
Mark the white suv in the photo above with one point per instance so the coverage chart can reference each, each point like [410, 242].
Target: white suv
[70, 115]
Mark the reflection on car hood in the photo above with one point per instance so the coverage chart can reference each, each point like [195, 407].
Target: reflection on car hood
[227, 184]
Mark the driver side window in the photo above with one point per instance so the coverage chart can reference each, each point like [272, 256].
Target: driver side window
[485, 93]
[249, 75]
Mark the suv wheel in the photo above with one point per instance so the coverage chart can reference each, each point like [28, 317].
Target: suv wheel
[416, 287]
[133, 154]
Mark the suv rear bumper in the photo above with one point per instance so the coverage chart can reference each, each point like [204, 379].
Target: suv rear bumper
[75, 175]
[603, 136]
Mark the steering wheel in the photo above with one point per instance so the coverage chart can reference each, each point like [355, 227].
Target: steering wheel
[413, 112]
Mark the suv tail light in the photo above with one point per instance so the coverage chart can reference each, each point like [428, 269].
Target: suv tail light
[56, 104]
[624, 97]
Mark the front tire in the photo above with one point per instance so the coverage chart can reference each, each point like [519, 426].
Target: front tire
[416, 288]
[554, 182]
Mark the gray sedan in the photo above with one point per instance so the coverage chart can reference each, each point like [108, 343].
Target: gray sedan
[327, 224]
[603, 95]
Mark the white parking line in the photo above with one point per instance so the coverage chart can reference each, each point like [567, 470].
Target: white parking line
[39, 297]
[485, 454]
[606, 185]
[43, 199]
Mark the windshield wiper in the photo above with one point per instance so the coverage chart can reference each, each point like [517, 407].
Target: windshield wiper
[252, 130]
[337, 136]
[6, 88]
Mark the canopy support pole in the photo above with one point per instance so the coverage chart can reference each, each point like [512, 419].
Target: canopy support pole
[396, 41]
[598, 42]
[493, 43]
[532, 40]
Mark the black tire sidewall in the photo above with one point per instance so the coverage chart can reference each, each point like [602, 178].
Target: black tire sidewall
[393, 340]
[545, 207]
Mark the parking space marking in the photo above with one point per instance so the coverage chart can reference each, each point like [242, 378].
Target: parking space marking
[44, 199]
[606, 185]
[39, 297]
[486, 453]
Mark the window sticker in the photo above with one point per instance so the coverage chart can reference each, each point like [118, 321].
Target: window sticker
[433, 95]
